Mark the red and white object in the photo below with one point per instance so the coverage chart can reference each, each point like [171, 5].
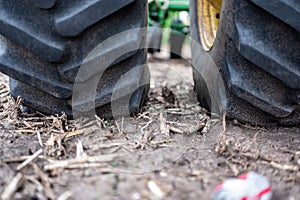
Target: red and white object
[249, 186]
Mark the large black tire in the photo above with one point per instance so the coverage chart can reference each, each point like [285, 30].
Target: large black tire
[257, 54]
[44, 43]
[176, 40]
[176, 43]
[154, 38]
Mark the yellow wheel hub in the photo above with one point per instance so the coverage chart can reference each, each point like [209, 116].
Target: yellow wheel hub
[208, 19]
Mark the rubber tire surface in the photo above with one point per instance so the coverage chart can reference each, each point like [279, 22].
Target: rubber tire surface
[154, 38]
[176, 43]
[43, 45]
[258, 57]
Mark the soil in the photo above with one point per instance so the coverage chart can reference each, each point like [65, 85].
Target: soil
[171, 150]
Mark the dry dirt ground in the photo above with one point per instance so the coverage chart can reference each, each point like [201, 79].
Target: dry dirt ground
[171, 150]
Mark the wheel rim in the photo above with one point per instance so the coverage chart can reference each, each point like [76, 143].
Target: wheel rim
[208, 21]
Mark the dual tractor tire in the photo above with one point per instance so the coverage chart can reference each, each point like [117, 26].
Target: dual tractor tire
[255, 61]
[44, 44]
[252, 74]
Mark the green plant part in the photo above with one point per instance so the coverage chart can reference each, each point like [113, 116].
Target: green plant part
[169, 14]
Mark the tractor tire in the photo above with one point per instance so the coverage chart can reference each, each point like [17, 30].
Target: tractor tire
[176, 40]
[44, 44]
[176, 43]
[256, 57]
[154, 38]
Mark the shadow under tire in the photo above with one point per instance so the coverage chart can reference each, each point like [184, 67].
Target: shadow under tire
[256, 53]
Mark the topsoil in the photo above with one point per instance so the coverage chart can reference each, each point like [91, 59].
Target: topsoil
[171, 150]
